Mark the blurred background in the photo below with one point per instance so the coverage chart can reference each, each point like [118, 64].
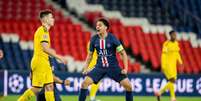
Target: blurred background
[141, 25]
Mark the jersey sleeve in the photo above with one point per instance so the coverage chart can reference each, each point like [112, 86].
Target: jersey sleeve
[44, 37]
[165, 49]
[118, 44]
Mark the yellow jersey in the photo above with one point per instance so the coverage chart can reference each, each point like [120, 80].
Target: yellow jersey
[40, 65]
[41, 35]
[170, 57]
[94, 57]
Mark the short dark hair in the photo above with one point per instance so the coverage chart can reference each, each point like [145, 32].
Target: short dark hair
[43, 13]
[171, 32]
[105, 22]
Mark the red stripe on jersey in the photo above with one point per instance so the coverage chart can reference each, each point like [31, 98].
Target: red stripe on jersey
[102, 42]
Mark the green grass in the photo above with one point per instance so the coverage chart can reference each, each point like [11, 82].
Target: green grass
[111, 98]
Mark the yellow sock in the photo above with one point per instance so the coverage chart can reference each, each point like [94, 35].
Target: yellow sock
[93, 90]
[167, 86]
[49, 96]
[27, 95]
[172, 88]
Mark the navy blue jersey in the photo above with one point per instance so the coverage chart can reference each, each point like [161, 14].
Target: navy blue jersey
[106, 50]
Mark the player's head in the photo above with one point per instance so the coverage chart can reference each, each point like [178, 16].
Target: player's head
[102, 25]
[172, 35]
[46, 17]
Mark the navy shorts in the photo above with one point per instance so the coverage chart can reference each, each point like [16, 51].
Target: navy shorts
[99, 72]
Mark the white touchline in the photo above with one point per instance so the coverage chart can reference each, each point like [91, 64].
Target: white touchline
[5, 82]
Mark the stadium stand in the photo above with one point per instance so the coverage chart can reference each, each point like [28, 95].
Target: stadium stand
[180, 14]
[142, 31]
[141, 27]
[18, 21]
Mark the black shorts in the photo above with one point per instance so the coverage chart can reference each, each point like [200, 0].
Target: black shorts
[99, 72]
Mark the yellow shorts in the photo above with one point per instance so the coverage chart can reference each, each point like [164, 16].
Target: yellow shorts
[170, 73]
[41, 73]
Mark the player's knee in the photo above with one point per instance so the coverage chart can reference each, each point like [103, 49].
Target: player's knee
[88, 81]
[85, 84]
[173, 80]
[49, 87]
[128, 87]
[35, 90]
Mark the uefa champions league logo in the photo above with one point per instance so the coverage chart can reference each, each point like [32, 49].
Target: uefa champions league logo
[198, 85]
[16, 83]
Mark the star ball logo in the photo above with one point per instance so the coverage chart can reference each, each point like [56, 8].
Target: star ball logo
[198, 85]
[16, 83]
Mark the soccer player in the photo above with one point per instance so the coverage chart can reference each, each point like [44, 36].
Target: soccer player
[106, 46]
[170, 57]
[94, 87]
[1, 54]
[41, 70]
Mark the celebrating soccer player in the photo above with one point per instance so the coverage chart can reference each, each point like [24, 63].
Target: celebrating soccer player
[106, 46]
[41, 70]
[169, 58]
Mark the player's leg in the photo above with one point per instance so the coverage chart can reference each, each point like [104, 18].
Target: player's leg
[49, 87]
[37, 79]
[172, 89]
[92, 77]
[158, 94]
[93, 91]
[41, 95]
[49, 92]
[29, 93]
[115, 74]
[85, 84]
[128, 87]
[167, 85]
[56, 94]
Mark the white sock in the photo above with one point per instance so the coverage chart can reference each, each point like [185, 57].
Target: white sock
[92, 98]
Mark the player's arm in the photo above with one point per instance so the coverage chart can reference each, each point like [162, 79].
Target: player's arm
[165, 49]
[60, 81]
[120, 49]
[87, 61]
[179, 57]
[89, 56]
[51, 52]
[1, 54]
[124, 56]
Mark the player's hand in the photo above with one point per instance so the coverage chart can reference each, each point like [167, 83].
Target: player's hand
[85, 71]
[63, 60]
[30, 75]
[124, 71]
[1, 54]
[67, 82]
